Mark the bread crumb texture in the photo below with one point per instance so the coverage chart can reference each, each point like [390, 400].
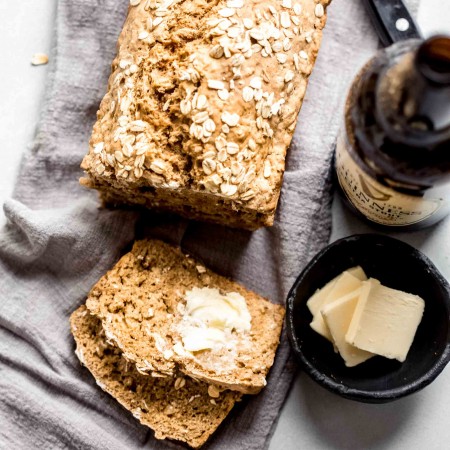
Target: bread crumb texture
[202, 104]
[178, 408]
[141, 301]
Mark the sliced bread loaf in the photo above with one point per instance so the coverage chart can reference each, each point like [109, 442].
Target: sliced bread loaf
[175, 408]
[202, 104]
[144, 308]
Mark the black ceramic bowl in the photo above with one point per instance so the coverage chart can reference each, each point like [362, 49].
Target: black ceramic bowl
[396, 265]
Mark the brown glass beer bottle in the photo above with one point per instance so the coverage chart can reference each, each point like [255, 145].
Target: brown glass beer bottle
[393, 154]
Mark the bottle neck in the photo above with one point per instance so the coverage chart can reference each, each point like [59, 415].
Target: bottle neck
[413, 95]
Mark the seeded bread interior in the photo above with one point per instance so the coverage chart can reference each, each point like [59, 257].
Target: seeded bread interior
[178, 408]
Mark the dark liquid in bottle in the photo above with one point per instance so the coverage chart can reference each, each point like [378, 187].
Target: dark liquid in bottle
[393, 157]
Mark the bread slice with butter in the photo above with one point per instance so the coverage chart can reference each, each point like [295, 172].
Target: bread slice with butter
[174, 407]
[166, 312]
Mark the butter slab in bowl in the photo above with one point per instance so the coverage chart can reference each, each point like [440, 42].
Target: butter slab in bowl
[398, 266]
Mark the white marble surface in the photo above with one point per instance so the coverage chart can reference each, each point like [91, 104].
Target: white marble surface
[312, 418]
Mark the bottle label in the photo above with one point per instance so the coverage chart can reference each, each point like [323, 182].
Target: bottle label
[378, 203]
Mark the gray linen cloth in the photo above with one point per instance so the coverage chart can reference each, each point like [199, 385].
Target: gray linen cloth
[58, 242]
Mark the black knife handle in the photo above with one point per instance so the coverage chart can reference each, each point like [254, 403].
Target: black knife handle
[392, 21]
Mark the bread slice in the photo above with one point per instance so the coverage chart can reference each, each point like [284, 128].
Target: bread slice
[175, 408]
[140, 303]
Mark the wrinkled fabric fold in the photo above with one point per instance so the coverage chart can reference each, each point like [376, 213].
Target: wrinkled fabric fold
[58, 241]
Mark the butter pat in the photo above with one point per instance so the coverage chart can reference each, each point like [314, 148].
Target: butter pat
[215, 310]
[210, 317]
[318, 299]
[385, 320]
[347, 282]
[338, 316]
[197, 339]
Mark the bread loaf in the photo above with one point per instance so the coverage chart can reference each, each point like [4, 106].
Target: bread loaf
[175, 408]
[202, 104]
[142, 304]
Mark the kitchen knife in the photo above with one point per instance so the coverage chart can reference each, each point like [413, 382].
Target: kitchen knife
[392, 21]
